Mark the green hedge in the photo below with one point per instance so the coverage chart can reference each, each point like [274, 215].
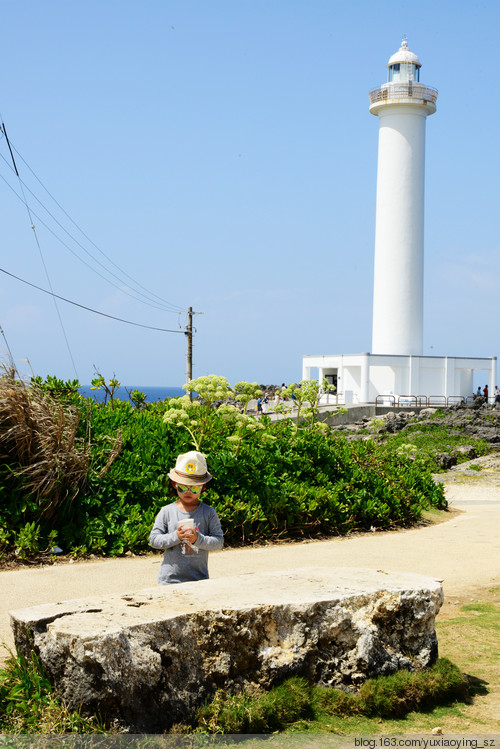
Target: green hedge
[284, 483]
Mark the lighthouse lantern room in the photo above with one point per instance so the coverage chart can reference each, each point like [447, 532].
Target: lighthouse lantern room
[403, 66]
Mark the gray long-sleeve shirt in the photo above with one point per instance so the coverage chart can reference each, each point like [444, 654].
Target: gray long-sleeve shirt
[177, 567]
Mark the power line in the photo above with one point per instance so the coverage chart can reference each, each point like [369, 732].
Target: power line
[152, 296]
[177, 308]
[8, 347]
[41, 221]
[89, 309]
[165, 306]
[41, 255]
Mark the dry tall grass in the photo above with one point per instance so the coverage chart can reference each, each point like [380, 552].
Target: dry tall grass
[38, 442]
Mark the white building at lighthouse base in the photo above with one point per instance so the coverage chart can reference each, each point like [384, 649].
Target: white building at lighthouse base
[399, 379]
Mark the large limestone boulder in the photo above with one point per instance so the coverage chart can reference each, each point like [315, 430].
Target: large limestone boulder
[148, 659]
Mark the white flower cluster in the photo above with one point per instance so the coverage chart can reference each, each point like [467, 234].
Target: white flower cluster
[195, 416]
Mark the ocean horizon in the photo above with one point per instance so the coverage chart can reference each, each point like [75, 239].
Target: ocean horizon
[152, 392]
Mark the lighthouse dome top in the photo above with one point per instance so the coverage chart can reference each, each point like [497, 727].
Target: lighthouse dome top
[404, 55]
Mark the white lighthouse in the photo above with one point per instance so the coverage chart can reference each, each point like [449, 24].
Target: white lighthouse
[402, 106]
[396, 372]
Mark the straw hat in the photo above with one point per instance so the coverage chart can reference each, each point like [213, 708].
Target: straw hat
[190, 469]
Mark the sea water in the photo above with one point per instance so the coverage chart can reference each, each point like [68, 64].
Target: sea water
[153, 392]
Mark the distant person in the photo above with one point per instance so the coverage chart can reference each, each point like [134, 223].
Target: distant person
[187, 529]
[485, 391]
[497, 394]
[478, 394]
[259, 406]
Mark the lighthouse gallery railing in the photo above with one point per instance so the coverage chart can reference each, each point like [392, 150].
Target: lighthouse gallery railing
[408, 90]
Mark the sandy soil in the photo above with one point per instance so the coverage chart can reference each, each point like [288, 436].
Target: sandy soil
[463, 552]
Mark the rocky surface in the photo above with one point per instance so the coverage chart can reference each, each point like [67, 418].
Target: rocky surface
[477, 420]
[147, 659]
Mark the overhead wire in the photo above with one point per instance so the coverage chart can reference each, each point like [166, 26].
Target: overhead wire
[149, 298]
[165, 306]
[164, 301]
[8, 347]
[43, 223]
[89, 309]
[41, 254]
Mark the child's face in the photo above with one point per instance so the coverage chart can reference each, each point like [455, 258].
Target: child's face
[190, 495]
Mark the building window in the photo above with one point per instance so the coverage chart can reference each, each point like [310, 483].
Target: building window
[404, 72]
[394, 72]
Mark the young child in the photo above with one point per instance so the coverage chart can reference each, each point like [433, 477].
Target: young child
[187, 529]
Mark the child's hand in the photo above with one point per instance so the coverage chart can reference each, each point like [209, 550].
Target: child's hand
[186, 534]
[182, 533]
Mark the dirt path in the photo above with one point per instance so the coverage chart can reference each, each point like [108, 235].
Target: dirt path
[463, 552]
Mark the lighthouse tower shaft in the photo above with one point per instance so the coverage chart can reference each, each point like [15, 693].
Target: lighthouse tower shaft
[402, 106]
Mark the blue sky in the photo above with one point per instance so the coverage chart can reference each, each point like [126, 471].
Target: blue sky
[221, 153]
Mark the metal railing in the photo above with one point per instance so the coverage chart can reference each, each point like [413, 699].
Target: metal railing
[328, 399]
[385, 400]
[408, 90]
[437, 400]
[405, 401]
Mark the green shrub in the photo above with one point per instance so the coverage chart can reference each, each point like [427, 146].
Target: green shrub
[257, 712]
[423, 442]
[384, 697]
[28, 705]
[275, 481]
[396, 695]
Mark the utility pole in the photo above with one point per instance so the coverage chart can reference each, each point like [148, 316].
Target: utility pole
[189, 339]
